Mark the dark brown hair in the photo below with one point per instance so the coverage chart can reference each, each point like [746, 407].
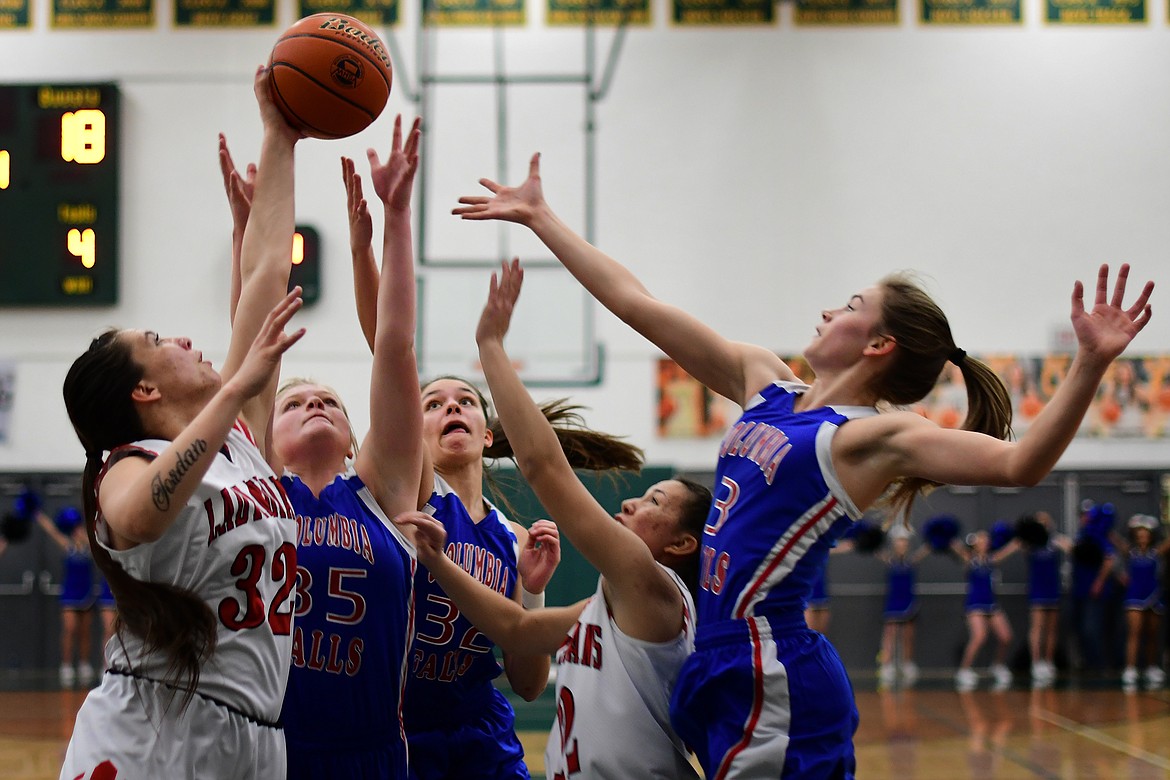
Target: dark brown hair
[695, 510]
[923, 346]
[168, 619]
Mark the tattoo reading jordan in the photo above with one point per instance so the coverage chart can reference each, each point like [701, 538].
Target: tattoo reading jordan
[162, 489]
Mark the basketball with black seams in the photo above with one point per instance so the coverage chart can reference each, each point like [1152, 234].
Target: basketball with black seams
[330, 75]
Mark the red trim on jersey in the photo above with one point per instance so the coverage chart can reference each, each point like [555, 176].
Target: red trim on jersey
[242, 427]
[746, 599]
[757, 703]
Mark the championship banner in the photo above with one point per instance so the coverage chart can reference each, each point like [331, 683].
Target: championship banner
[973, 12]
[107, 14]
[375, 13]
[609, 13]
[847, 13]
[1095, 11]
[723, 12]
[474, 13]
[14, 14]
[225, 13]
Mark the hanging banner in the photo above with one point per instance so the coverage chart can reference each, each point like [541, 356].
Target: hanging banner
[7, 397]
[376, 13]
[1095, 11]
[14, 14]
[609, 13]
[846, 12]
[686, 408]
[475, 13]
[973, 12]
[1132, 402]
[225, 13]
[723, 12]
[107, 14]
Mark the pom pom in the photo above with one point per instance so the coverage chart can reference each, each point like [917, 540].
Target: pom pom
[1100, 521]
[940, 531]
[1031, 531]
[867, 537]
[68, 519]
[27, 504]
[1000, 534]
[1088, 553]
[15, 528]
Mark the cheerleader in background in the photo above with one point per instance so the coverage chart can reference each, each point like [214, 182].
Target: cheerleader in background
[1143, 601]
[982, 610]
[77, 594]
[901, 608]
[1044, 549]
[816, 613]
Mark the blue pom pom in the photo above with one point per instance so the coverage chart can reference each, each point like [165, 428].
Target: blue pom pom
[68, 519]
[27, 504]
[940, 531]
[1001, 533]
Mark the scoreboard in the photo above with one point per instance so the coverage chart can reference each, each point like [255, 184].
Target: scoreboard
[59, 194]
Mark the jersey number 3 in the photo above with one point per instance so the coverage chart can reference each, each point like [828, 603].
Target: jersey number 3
[249, 566]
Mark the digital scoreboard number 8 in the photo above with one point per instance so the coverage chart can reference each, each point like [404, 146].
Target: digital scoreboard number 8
[58, 195]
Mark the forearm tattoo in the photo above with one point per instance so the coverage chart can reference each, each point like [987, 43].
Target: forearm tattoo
[164, 487]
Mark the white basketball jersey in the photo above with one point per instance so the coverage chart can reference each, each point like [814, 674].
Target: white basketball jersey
[233, 545]
[613, 700]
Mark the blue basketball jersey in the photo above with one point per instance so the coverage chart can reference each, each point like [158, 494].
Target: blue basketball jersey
[451, 664]
[354, 621]
[778, 507]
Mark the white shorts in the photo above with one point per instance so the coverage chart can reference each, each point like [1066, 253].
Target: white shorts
[133, 729]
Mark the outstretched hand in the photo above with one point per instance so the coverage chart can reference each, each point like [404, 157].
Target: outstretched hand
[361, 225]
[394, 181]
[239, 188]
[1107, 329]
[263, 357]
[427, 534]
[540, 556]
[511, 204]
[502, 296]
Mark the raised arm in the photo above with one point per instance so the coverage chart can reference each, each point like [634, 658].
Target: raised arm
[644, 600]
[361, 249]
[239, 189]
[511, 626]
[880, 449]
[140, 499]
[390, 458]
[265, 251]
[732, 369]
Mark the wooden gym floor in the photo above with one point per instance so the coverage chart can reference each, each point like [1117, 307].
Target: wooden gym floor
[925, 734]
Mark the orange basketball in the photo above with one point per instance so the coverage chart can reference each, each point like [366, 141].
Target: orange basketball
[330, 75]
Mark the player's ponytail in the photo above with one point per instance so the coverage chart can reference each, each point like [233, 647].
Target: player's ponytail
[166, 618]
[584, 447]
[923, 347]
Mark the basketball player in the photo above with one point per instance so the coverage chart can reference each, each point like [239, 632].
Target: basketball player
[191, 526]
[355, 602]
[619, 651]
[762, 695]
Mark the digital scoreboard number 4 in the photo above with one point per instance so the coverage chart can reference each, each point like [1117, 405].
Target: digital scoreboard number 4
[59, 194]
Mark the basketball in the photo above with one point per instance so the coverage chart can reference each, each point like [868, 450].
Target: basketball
[330, 75]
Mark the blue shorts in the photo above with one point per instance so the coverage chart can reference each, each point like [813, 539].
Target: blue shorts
[752, 705]
[486, 748]
[387, 761]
